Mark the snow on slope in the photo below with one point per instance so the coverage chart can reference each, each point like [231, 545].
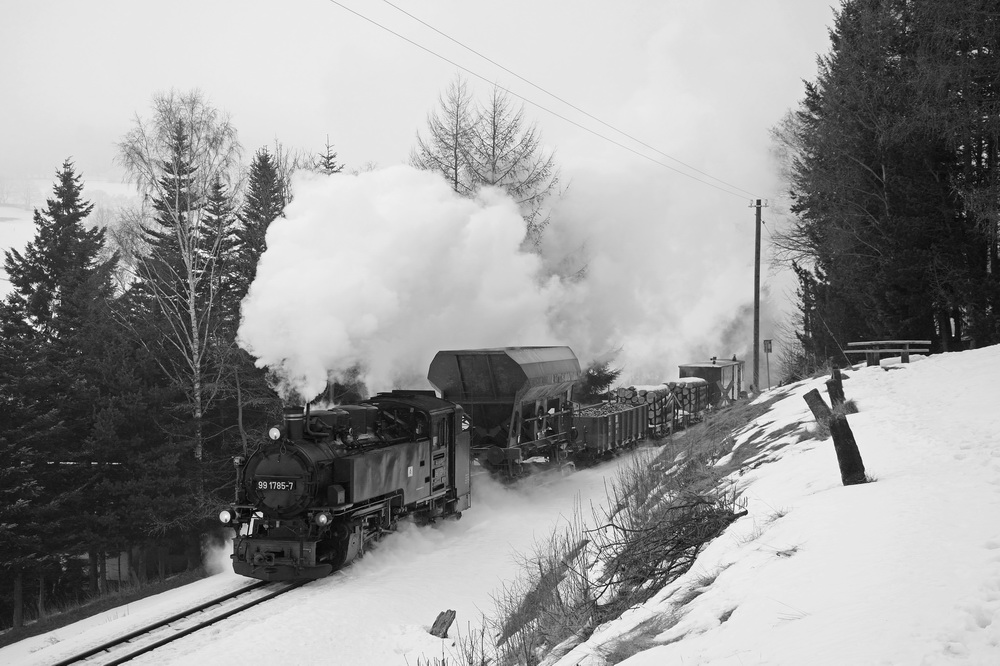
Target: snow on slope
[378, 610]
[903, 571]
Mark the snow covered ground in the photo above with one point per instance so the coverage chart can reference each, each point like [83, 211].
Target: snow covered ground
[378, 610]
[903, 571]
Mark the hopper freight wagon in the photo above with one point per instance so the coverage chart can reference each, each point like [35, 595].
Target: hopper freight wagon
[519, 401]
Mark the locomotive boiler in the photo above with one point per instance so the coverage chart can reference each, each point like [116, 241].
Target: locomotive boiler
[328, 482]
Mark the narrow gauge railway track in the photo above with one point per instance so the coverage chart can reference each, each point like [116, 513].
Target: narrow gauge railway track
[122, 649]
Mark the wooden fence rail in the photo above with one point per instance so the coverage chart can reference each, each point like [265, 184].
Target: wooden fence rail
[873, 349]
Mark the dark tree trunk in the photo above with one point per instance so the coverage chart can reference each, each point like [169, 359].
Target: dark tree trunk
[18, 600]
[92, 575]
[102, 562]
[41, 596]
[161, 562]
[138, 558]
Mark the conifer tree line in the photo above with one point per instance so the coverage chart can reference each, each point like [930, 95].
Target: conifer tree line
[892, 165]
[123, 393]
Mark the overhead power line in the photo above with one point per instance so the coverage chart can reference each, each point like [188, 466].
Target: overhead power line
[567, 103]
[728, 190]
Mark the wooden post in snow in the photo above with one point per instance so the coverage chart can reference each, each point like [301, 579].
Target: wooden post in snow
[852, 468]
[818, 406]
[835, 387]
[443, 623]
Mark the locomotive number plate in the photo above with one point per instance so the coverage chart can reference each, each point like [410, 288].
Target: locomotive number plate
[275, 484]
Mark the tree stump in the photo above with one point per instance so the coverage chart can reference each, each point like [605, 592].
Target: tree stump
[443, 623]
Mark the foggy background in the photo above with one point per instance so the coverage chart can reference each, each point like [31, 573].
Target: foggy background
[668, 257]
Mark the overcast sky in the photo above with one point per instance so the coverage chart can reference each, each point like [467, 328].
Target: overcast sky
[685, 77]
[699, 80]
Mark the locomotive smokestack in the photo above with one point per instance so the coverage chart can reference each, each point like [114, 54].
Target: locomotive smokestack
[294, 421]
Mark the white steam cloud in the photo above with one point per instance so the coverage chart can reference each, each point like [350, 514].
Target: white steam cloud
[384, 269]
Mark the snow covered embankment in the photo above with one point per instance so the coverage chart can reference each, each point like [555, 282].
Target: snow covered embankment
[905, 570]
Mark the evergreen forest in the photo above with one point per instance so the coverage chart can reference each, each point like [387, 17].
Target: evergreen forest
[891, 161]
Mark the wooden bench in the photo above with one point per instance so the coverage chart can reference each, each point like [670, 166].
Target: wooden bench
[873, 349]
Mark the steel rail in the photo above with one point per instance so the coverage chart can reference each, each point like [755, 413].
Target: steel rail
[109, 645]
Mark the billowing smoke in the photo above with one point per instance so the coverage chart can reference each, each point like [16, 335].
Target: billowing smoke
[384, 269]
[668, 279]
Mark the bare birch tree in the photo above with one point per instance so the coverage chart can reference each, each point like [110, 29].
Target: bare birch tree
[175, 159]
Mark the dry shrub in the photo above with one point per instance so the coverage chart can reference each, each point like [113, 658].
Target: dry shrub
[551, 603]
[664, 505]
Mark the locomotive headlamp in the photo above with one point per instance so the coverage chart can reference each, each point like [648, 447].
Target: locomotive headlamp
[274, 433]
[322, 519]
[227, 516]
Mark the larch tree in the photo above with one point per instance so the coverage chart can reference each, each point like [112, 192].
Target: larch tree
[506, 152]
[489, 145]
[449, 140]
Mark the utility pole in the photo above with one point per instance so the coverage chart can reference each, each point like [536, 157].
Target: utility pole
[756, 300]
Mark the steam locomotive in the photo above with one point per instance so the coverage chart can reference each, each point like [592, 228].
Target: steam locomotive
[328, 482]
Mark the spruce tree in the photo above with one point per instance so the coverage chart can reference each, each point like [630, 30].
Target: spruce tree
[326, 162]
[60, 288]
[263, 204]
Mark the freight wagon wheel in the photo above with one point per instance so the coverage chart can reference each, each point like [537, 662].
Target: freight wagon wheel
[496, 456]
